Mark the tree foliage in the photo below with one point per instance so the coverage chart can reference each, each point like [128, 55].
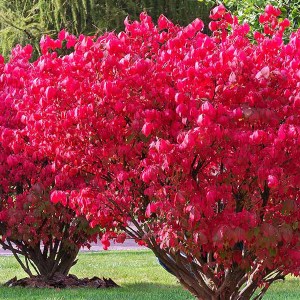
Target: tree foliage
[24, 22]
[248, 10]
[47, 235]
[187, 142]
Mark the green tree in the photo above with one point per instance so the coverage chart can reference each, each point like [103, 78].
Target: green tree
[26, 21]
[18, 24]
[248, 10]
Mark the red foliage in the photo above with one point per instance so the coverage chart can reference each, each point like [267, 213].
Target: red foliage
[192, 138]
[28, 219]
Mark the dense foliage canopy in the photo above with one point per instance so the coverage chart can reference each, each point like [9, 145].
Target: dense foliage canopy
[48, 235]
[187, 142]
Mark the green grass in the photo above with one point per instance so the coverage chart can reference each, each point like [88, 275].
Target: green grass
[137, 272]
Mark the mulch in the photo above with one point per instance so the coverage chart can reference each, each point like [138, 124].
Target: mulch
[61, 281]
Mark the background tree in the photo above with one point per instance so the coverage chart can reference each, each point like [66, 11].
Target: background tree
[248, 10]
[24, 22]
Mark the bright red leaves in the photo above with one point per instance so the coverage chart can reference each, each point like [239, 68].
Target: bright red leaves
[193, 137]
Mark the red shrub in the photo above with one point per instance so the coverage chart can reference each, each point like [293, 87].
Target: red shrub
[188, 142]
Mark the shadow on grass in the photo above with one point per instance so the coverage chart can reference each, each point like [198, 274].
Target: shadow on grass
[136, 291]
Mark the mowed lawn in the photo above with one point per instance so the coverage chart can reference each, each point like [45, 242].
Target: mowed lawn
[137, 272]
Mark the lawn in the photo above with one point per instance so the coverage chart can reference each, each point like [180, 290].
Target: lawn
[137, 272]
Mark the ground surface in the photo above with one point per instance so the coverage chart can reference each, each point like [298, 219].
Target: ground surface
[137, 272]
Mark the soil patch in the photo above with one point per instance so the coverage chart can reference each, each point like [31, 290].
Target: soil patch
[61, 281]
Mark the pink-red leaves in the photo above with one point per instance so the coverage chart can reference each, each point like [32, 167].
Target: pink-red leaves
[151, 208]
[121, 238]
[105, 241]
[59, 196]
[264, 73]
[196, 137]
[271, 10]
[272, 181]
[147, 129]
[218, 12]
[50, 92]
[163, 23]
